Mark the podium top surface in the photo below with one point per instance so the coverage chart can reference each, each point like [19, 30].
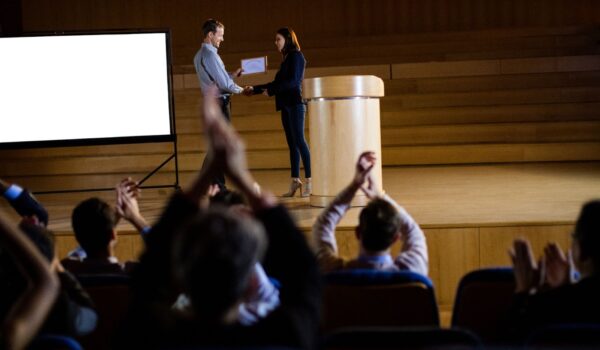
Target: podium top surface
[343, 86]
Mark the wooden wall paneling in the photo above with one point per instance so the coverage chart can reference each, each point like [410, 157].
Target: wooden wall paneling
[439, 11]
[403, 16]
[493, 153]
[180, 35]
[124, 247]
[463, 14]
[492, 133]
[348, 245]
[129, 246]
[99, 10]
[429, 17]
[71, 182]
[452, 253]
[64, 243]
[520, 14]
[369, 17]
[34, 17]
[86, 165]
[253, 26]
[335, 13]
[495, 241]
[491, 114]
[83, 18]
[494, 82]
[388, 22]
[482, 14]
[78, 151]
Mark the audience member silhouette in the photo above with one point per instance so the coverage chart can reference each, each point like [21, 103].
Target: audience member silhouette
[25, 306]
[94, 223]
[546, 292]
[381, 223]
[264, 297]
[210, 253]
[73, 311]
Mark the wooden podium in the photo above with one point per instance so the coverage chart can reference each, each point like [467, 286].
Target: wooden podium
[344, 121]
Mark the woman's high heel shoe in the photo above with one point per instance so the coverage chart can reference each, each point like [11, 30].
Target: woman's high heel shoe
[307, 188]
[294, 186]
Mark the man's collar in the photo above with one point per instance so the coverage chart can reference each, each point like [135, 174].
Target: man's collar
[385, 259]
[209, 47]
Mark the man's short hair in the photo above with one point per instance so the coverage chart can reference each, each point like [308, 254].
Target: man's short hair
[587, 232]
[93, 222]
[215, 256]
[210, 26]
[379, 223]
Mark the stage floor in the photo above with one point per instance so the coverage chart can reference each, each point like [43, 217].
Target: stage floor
[436, 196]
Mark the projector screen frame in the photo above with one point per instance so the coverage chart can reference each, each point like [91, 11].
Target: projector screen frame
[171, 137]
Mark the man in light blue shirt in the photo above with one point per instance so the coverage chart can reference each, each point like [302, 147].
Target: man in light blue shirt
[210, 67]
[211, 71]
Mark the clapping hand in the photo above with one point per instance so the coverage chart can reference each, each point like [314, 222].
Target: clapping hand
[127, 194]
[364, 165]
[527, 274]
[557, 267]
[363, 176]
[226, 149]
[127, 206]
[227, 152]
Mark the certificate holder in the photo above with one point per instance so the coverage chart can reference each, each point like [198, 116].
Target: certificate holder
[254, 65]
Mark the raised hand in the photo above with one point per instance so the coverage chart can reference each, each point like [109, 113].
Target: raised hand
[228, 153]
[127, 206]
[364, 165]
[527, 275]
[557, 266]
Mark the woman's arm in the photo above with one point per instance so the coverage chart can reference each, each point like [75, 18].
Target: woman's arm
[289, 76]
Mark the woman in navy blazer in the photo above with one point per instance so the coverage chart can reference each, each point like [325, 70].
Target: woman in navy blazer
[287, 88]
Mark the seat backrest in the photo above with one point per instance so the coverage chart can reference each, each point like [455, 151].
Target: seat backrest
[110, 294]
[54, 342]
[381, 338]
[483, 302]
[358, 298]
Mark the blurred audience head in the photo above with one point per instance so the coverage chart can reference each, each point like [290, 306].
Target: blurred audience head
[215, 256]
[94, 223]
[586, 238]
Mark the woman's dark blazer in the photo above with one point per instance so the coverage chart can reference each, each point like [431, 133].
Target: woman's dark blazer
[287, 86]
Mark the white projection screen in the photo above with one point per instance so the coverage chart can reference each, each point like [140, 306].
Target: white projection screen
[85, 89]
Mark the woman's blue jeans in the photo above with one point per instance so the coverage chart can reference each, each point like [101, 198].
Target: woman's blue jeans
[292, 118]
